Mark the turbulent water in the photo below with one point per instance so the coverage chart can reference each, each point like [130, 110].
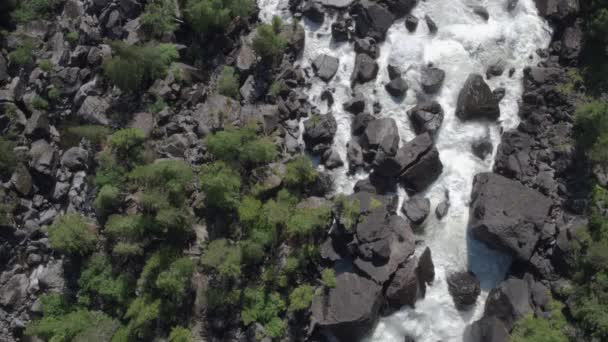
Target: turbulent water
[464, 44]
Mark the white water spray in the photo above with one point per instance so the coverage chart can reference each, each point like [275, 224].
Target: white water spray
[464, 44]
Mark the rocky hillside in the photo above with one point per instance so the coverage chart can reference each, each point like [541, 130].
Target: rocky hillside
[156, 179]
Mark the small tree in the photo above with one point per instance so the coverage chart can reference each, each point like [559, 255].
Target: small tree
[8, 161]
[158, 17]
[300, 173]
[328, 278]
[224, 258]
[206, 16]
[268, 42]
[180, 334]
[228, 83]
[221, 185]
[301, 298]
[71, 234]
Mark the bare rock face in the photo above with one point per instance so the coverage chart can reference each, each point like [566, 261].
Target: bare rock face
[403, 288]
[507, 215]
[464, 288]
[350, 309]
[476, 100]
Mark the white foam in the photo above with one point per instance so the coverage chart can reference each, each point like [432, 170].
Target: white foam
[464, 44]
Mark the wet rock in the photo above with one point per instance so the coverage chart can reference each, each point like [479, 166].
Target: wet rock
[336, 3]
[372, 20]
[426, 268]
[499, 93]
[393, 71]
[426, 118]
[93, 110]
[557, 9]
[432, 79]
[481, 12]
[507, 215]
[397, 87]
[313, 12]
[361, 121]
[75, 159]
[416, 209]
[511, 5]
[365, 69]
[356, 104]
[332, 159]
[430, 24]
[37, 125]
[509, 301]
[367, 46]
[325, 67]
[476, 101]
[422, 173]
[319, 129]
[464, 288]
[354, 154]
[487, 329]
[494, 71]
[411, 23]
[482, 148]
[377, 129]
[403, 288]
[350, 309]
[406, 156]
[401, 7]
[340, 30]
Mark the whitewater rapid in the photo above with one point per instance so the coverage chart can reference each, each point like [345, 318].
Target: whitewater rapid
[464, 44]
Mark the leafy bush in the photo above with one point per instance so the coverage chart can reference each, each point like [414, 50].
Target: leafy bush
[300, 298]
[174, 282]
[264, 308]
[328, 278]
[23, 55]
[53, 94]
[66, 327]
[8, 160]
[29, 10]
[99, 282]
[158, 105]
[307, 222]
[134, 66]
[221, 185]
[71, 234]
[39, 103]
[142, 315]
[72, 37]
[591, 129]
[169, 178]
[158, 17]
[228, 83]
[95, 134]
[348, 211]
[242, 145]
[45, 65]
[300, 173]
[127, 145]
[598, 25]
[268, 42]
[180, 334]
[206, 16]
[108, 199]
[539, 329]
[224, 258]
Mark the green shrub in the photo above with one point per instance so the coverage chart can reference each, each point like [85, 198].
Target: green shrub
[221, 185]
[134, 66]
[275, 89]
[53, 94]
[348, 211]
[328, 278]
[300, 173]
[99, 282]
[71, 234]
[174, 282]
[158, 17]
[8, 160]
[206, 16]
[45, 65]
[67, 327]
[224, 258]
[307, 222]
[268, 42]
[109, 171]
[539, 329]
[242, 145]
[72, 37]
[264, 308]
[158, 105]
[39, 103]
[128, 145]
[108, 199]
[228, 83]
[143, 314]
[23, 55]
[169, 178]
[598, 25]
[300, 298]
[29, 10]
[180, 334]
[95, 134]
[591, 129]
[126, 227]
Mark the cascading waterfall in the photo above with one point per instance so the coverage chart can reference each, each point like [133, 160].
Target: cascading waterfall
[464, 44]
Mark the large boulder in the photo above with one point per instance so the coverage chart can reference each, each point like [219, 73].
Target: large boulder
[506, 215]
[422, 173]
[14, 292]
[372, 20]
[320, 129]
[75, 159]
[93, 110]
[401, 7]
[403, 288]
[476, 100]
[350, 309]
[557, 9]
[426, 117]
[416, 209]
[365, 69]
[384, 243]
[464, 287]
[431, 79]
[37, 125]
[509, 301]
[325, 67]
[396, 87]
[487, 329]
[377, 129]
[216, 111]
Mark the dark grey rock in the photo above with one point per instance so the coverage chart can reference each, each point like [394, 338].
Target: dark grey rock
[372, 20]
[426, 268]
[476, 101]
[416, 209]
[396, 87]
[487, 329]
[509, 302]
[356, 104]
[403, 288]
[37, 125]
[340, 31]
[464, 287]
[377, 129]
[430, 24]
[426, 118]
[75, 159]
[325, 67]
[511, 5]
[93, 110]
[482, 148]
[406, 156]
[401, 7]
[507, 215]
[482, 12]
[319, 129]
[411, 23]
[14, 292]
[354, 154]
[393, 71]
[332, 159]
[21, 180]
[361, 121]
[494, 70]
[313, 11]
[432, 79]
[422, 173]
[365, 69]
[367, 46]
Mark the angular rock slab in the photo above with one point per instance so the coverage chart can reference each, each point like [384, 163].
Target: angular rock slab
[506, 215]
[476, 100]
